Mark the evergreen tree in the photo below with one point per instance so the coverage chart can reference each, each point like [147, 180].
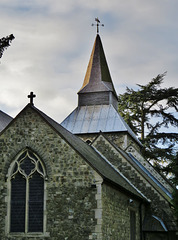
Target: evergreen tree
[147, 111]
[4, 43]
[150, 111]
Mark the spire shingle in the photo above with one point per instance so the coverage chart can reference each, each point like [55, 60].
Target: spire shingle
[97, 78]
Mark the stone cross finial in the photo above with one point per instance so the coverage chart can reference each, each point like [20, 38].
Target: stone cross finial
[98, 24]
[31, 96]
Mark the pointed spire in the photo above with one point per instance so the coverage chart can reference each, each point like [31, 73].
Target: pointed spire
[97, 79]
[97, 108]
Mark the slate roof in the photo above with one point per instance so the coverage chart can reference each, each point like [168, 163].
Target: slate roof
[4, 120]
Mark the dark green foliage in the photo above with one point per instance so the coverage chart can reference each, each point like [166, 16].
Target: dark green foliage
[4, 43]
[150, 111]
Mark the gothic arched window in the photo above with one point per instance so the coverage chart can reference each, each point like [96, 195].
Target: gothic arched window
[27, 194]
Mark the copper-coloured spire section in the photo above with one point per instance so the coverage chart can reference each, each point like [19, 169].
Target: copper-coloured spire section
[97, 78]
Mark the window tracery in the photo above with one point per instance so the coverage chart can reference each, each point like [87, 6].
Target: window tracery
[27, 194]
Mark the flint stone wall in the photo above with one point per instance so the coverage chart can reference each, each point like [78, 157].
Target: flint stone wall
[116, 215]
[70, 197]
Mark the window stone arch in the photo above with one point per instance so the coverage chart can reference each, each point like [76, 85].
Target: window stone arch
[26, 205]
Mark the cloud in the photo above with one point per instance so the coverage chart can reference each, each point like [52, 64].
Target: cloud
[53, 43]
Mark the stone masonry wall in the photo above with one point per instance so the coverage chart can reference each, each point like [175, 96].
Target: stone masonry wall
[149, 167]
[159, 206]
[70, 197]
[120, 139]
[116, 215]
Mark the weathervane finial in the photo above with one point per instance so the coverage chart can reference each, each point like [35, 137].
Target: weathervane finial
[97, 24]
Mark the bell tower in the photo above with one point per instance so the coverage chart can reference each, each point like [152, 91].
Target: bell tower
[97, 109]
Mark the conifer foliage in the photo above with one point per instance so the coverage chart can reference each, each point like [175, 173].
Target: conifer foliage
[150, 111]
[5, 43]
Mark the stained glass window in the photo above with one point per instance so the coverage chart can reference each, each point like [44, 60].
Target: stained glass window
[27, 194]
[18, 199]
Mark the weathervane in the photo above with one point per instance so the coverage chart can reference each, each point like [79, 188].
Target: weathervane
[97, 24]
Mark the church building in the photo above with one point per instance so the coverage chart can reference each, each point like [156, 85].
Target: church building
[83, 179]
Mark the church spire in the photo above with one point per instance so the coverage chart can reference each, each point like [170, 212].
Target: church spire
[97, 108]
[97, 85]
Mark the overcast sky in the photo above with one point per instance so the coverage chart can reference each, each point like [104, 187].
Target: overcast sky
[54, 40]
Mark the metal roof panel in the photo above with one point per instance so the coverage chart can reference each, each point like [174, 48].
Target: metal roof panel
[96, 118]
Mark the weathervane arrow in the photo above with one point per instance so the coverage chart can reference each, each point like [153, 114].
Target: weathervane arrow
[97, 24]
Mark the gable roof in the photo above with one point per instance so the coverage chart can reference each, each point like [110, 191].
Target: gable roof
[98, 162]
[4, 120]
[92, 157]
[146, 174]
